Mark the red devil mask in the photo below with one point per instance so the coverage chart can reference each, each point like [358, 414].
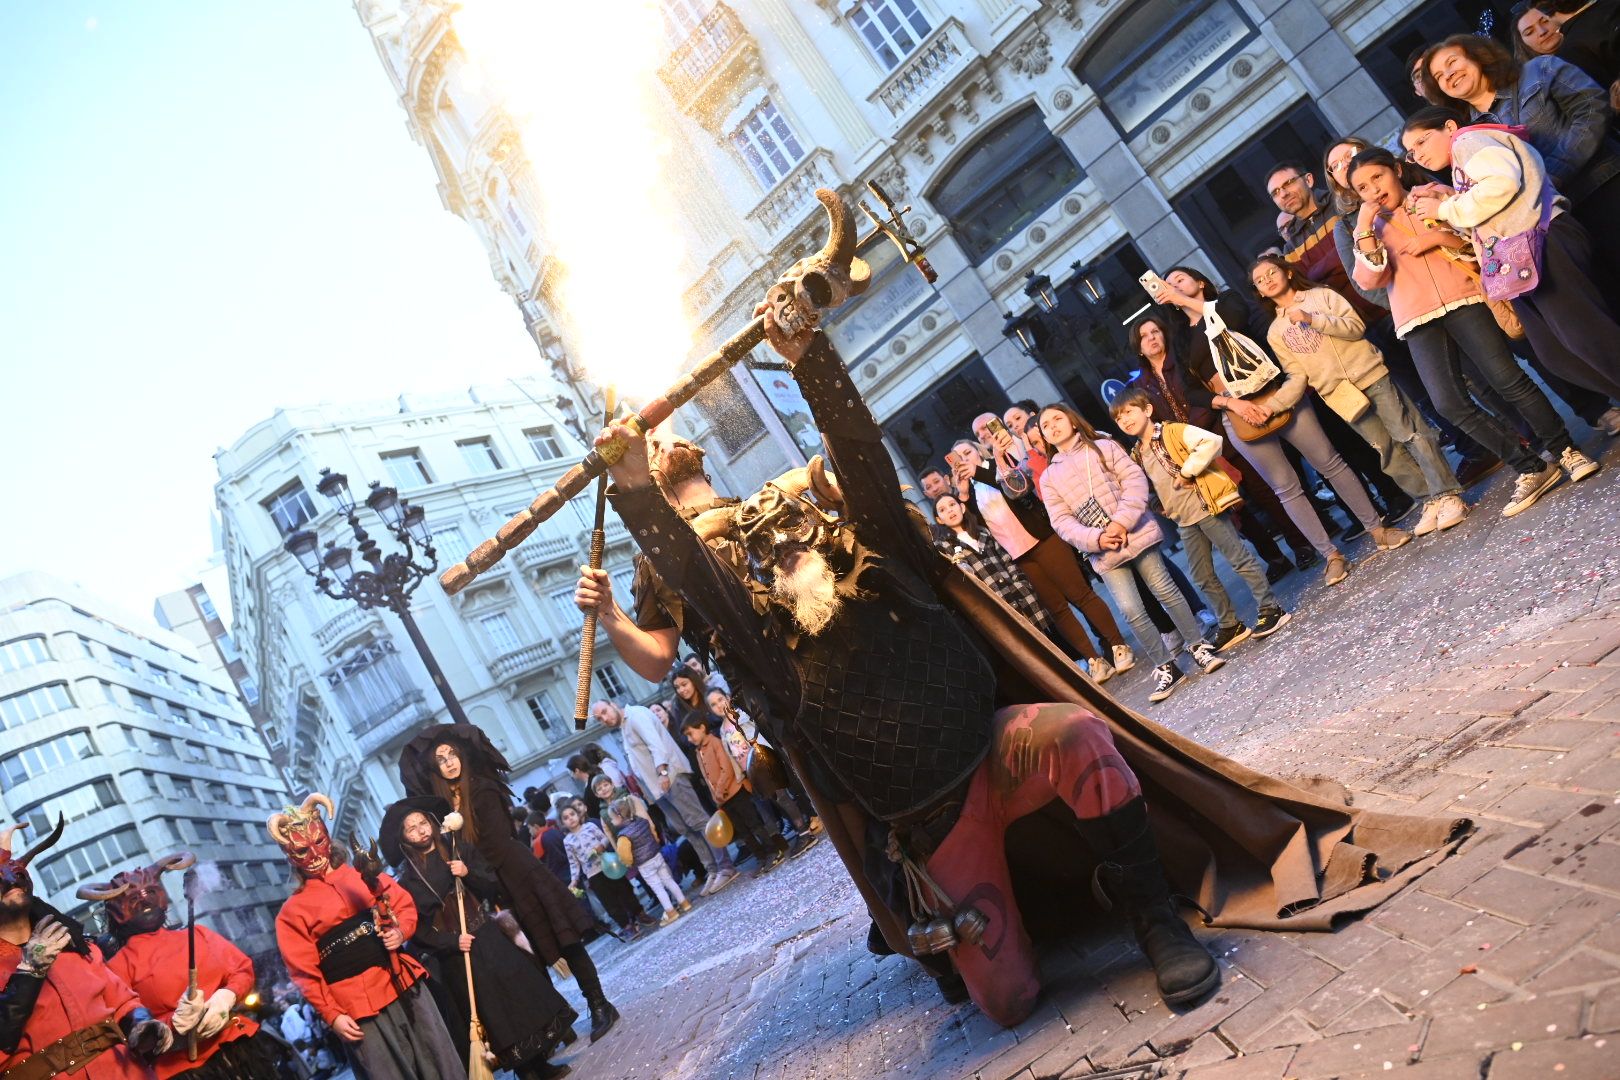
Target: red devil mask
[303, 836]
[14, 872]
[137, 902]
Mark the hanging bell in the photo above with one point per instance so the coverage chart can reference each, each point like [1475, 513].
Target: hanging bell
[931, 937]
[970, 924]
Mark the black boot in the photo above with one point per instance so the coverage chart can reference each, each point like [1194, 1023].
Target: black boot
[1129, 877]
[603, 1017]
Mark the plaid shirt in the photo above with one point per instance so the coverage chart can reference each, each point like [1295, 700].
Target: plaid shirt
[993, 566]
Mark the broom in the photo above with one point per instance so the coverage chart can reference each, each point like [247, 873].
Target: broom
[477, 1054]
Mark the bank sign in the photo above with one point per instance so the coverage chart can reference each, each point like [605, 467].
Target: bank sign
[1169, 70]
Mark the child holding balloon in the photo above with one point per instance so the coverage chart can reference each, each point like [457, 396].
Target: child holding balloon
[590, 857]
[648, 859]
[733, 796]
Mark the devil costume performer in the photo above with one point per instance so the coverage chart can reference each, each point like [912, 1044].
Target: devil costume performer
[62, 1010]
[155, 963]
[331, 934]
[551, 919]
[524, 1016]
[908, 711]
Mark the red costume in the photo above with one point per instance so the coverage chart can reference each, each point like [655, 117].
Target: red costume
[79, 990]
[154, 965]
[318, 907]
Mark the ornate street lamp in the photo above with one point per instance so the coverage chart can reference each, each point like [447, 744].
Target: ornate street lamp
[1026, 330]
[1038, 287]
[390, 579]
[1089, 284]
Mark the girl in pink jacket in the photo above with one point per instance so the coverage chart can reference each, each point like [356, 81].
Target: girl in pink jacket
[1097, 498]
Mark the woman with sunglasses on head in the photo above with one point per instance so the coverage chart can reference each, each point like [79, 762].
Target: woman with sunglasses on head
[1565, 114]
[1503, 192]
[1321, 342]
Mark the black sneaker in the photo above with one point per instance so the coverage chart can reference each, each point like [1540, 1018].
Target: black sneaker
[1230, 637]
[1306, 559]
[1271, 620]
[1166, 677]
[1276, 571]
[1203, 655]
[1398, 510]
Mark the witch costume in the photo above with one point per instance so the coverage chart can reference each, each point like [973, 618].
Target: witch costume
[547, 912]
[523, 1015]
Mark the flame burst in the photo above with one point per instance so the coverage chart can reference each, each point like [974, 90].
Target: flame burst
[580, 82]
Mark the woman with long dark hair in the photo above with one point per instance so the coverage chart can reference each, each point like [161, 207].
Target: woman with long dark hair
[459, 764]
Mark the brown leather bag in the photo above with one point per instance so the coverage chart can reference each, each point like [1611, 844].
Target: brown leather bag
[70, 1053]
[1255, 432]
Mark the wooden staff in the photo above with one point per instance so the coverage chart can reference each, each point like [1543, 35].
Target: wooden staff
[477, 1066]
[587, 637]
[191, 889]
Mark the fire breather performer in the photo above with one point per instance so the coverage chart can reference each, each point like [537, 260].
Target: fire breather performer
[930, 717]
[156, 963]
[513, 999]
[459, 764]
[62, 1009]
[340, 935]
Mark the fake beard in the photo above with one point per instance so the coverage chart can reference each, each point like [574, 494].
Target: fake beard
[14, 903]
[809, 593]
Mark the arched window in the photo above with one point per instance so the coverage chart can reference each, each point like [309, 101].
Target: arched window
[1007, 180]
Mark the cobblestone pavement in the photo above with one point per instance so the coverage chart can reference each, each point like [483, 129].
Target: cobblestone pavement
[1476, 672]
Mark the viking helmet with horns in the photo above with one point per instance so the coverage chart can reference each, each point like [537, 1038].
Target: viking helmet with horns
[826, 279]
[791, 510]
[137, 902]
[302, 834]
[14, 872]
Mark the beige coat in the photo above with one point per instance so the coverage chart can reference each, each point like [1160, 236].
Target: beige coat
[1322, 355]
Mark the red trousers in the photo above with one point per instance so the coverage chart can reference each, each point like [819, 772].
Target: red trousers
[1040, 753]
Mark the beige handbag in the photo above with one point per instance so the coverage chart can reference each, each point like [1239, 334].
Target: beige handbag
[1346, 397]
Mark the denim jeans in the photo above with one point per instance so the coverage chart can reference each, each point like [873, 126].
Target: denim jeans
[1474, 331]
[1408, 448]
[1155, 570]
[1217, 531]
[685, 815]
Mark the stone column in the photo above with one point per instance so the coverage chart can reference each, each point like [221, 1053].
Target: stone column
[780, 16]
[1321, 58]
[981, 320]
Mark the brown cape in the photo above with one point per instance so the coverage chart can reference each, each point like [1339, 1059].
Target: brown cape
[1253, 851]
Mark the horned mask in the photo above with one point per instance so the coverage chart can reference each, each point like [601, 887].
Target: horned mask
[824, 280]
[302, 834]
[790, 511]
[14, 872]
[137, 902]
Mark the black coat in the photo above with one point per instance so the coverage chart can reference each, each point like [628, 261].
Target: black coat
[543, 905]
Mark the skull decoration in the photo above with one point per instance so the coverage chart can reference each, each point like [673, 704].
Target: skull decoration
[303, 836]
[137, 902]
[824, 280]
[14, 872]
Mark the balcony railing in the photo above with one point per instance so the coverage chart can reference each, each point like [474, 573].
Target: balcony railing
[789, 203]
[343, 626]
[387, 725]
[545, 551]
[712, 58]
[529, 658]
[941, 55]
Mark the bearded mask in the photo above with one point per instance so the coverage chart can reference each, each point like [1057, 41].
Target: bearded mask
[678, 462]
[136, 901]
[14, 872]
[302, 835]
[783, 516]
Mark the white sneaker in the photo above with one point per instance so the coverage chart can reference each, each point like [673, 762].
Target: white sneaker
[1529, 487]
[1099, 669]
[1452, 511]
[1577, 464]
[1609, 422]
[1207, 659]
[1430, 520]
[722, 878]
[1124, 659]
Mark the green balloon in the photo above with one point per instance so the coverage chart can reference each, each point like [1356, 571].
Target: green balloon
[612, 865]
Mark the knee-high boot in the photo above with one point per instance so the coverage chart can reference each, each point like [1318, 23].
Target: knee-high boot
[603, 1014]
[1131, 878]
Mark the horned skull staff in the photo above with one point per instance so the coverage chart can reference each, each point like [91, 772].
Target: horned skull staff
[812, 285]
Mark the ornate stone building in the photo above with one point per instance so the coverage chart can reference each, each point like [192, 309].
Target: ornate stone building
[1083, 140]
[341, 689]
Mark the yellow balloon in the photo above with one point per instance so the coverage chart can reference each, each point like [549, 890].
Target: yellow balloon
[626, 852]
[718, 831]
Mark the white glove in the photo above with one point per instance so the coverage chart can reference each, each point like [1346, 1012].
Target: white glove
[188, 1012]
[218, 1010]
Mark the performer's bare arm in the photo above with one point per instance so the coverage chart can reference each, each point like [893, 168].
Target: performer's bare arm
[648, 652]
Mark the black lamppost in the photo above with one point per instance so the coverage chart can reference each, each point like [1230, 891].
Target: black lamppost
[392, 577]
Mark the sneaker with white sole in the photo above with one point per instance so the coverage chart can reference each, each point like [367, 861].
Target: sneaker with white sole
[1609, 422]
[1338, 568]
[1430, 521]
[1099, 669]
[1529, 487]
[1453, 511]
[1207, 658]
[1577, 464]
[669, 916]
[1166, 677]
[1269, 621]
[722, 878]
[1230, 637]
[1124, 659]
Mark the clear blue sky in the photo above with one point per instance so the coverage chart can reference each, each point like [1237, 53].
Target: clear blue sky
[208, 209]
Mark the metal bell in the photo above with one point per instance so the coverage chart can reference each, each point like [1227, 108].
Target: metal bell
[970, 924]
[931, 937]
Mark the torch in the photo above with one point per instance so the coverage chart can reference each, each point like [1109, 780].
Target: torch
[817, 283]
[587, 638]
[190, 885]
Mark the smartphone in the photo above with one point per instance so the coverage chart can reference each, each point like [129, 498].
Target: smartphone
[995, 427]
[1153, 283]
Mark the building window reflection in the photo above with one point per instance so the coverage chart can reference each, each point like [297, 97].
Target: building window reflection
[1013, 175]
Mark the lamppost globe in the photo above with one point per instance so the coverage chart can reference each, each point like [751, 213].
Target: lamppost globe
[1021, 329]
[335, 486]
[304, 546]
[416, 525]
[384, 501]
[337, 561]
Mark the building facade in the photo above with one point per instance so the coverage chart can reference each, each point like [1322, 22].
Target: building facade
[341, 689]
[1084, 140]
[120, 730]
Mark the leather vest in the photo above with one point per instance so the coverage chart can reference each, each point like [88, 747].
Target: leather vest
[896, 699]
